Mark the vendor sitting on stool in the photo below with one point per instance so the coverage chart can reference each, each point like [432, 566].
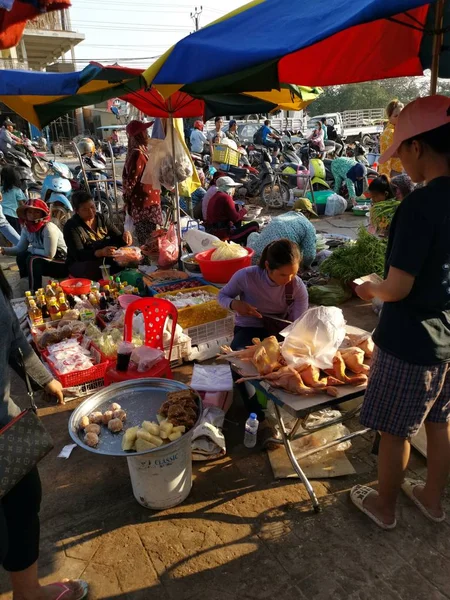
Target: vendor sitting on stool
[222, 218]
[91, 239]
[41, 249]
[266, 290]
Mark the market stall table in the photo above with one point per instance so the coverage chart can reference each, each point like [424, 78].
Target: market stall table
[300, 407]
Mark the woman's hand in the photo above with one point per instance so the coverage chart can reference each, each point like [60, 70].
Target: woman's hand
[55, 389]
[365, 291]
[105, 252]
[244, 309]
[127, 238]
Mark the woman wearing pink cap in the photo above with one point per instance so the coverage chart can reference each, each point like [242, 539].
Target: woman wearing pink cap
[409, 382]
[143, 203]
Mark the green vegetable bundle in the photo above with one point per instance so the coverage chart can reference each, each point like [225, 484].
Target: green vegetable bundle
[382, 213]
[356, 259]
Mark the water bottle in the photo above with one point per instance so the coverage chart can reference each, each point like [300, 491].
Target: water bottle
[251, 429]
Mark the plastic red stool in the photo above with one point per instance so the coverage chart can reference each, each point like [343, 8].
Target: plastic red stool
[155, 312]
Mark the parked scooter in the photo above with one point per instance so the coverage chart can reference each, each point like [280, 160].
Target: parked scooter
[56, 192]
[22, 164]
[39, 165]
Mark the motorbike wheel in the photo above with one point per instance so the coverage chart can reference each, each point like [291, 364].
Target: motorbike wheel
[275, 195]
[59, 215]
[40, 169]
[104, 206]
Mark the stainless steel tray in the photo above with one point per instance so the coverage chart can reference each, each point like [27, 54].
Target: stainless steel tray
[140, 398]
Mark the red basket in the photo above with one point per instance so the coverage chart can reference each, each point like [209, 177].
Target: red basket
[221, 271]
[79, 377]
[69, 286]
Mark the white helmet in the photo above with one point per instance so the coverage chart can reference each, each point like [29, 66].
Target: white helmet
[330, 122]
[86, 146]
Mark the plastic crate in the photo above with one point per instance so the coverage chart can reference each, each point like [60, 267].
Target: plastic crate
[179, 351]
[214, 330]
[199, 314]
[85, 389]
[156, 289]
[224, 154]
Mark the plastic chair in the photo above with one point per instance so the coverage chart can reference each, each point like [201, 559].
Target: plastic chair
[155, 312]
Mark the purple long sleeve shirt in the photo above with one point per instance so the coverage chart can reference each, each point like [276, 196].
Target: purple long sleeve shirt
[254, 286]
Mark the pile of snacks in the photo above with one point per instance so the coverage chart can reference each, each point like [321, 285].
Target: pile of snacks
[65, 329]
[177, 415]
[69, 356]
[113, 419]
[127, 256]
[190, 298]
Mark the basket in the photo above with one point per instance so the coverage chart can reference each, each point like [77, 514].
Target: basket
[70, 286]
[80, 377]
[224, 154]
[201, 313]
[156, 289]
[221, 271]
[201, 334]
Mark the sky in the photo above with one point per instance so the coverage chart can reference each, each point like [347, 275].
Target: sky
[135, 32]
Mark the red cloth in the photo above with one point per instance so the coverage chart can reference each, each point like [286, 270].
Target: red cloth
[12, 23]
[221, 209]
[34, 226]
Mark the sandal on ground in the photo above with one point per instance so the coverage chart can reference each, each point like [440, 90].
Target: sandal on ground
[408, 487]
[358, 494]
[268, 438]
[65, 589]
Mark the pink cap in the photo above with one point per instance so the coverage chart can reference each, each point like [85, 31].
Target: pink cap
[136, 127]
[424, 114]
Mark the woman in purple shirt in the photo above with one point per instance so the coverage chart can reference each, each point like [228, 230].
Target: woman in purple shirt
[260, 291]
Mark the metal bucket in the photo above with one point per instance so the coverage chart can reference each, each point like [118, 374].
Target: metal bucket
[162, 477]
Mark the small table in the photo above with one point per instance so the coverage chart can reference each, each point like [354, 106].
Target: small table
[300, 407]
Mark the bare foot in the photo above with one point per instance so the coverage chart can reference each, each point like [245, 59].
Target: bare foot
[435, 511]
[372, 504]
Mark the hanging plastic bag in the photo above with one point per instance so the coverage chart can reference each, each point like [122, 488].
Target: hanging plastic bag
[168, 248]
[158, 149]
[129, 224]
[336, 205]
[315, 338]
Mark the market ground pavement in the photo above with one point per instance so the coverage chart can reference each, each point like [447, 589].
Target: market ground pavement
[240, 534]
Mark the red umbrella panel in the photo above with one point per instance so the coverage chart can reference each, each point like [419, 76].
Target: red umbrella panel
[179, 105]
[14, 20]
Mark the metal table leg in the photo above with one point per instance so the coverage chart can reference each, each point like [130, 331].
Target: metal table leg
[295, 465]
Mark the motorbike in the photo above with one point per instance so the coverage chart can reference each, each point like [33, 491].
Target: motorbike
[22, 164]
[117, 150]
[56, 191]
[99, 182]
[39, 165]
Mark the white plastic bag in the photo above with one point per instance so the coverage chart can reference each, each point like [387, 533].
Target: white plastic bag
[228, 251]
[157, 150]
[315, 338]
[145, 357]
[129, 224]
[336, 205]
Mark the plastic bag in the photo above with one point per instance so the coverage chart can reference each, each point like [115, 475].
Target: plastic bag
[157, 150]
[168, 248]
[128, 255]
[336, 205]
[129, 224]
[315, 338]
[228, 251]
[331, 294]
[145, 357]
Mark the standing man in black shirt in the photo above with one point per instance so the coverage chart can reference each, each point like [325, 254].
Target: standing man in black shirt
[410, 376]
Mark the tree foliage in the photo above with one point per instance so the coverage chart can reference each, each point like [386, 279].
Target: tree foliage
[373, 94]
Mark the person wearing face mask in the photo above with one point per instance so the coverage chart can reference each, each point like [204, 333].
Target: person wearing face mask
[269, 289]
[393, 166]
[223, 219]
[41, 249]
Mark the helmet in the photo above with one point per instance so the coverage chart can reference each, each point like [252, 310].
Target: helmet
[198, 125]
[330, 122]
[86, 146]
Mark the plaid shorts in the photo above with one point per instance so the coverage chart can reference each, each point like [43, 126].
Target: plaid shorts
[400, 396]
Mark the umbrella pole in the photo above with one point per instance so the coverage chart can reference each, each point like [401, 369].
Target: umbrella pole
[177, 194]
[437, 45]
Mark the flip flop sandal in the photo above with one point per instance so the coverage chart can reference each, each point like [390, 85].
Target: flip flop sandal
[358, 494]
[66, 589]
[408, 487]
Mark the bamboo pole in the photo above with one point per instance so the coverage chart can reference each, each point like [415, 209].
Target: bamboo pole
[437, 45]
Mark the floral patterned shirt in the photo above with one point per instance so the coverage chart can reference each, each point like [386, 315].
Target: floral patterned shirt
[394, 164]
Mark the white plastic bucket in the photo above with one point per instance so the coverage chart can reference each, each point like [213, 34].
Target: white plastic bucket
[163, 478]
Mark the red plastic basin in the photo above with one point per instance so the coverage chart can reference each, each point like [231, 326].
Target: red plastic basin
[221, 271]
[72, 286]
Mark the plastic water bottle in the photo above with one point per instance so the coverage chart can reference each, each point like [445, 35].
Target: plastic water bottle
[251, 429]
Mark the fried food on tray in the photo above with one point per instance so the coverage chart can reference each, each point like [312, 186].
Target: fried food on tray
[93, 428]
[120, 414]
[180, 409]
[107, 417]
[91, 439]
[115, 425]
[96, 417]
[84, 422]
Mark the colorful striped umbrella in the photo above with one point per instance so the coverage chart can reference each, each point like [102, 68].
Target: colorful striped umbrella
[312, 42]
